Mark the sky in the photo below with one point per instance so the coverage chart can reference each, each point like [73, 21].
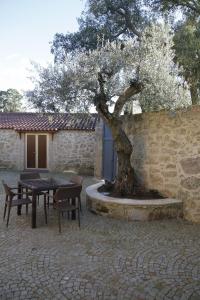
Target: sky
[26, 29]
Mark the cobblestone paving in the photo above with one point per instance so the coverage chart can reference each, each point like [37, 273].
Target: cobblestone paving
[105, 259]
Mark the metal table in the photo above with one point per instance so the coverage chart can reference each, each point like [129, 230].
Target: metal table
[41, 185]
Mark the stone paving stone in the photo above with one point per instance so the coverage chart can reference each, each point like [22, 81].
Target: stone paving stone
[105, 259]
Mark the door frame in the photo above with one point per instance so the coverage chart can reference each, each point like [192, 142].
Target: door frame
[36, 150]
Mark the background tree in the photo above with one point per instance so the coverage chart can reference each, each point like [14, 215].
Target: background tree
[103, 19]
[187, 6]
[10, 100]
[187, 47]
[186, 40]
[52, 91]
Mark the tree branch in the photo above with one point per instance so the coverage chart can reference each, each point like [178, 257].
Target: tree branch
[133, 89]
[100, 104]
[126, 15]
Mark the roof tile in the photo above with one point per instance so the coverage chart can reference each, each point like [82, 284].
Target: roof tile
[47, 121]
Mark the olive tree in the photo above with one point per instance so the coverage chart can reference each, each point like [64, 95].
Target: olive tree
[110, 77]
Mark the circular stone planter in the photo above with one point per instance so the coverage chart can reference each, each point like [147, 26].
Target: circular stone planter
[132, 209]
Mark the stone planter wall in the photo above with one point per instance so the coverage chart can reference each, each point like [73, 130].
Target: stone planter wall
[166, 154]
[131, 210]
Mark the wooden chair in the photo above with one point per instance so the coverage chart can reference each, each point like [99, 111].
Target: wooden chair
[14, 199]
[78, 180]
[66, 199]
[33, 175]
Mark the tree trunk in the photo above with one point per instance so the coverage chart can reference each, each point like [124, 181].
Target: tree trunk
[194, 93]
[124, 183]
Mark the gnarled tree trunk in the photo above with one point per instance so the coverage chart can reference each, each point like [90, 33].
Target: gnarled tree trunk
[124, 183]
[194, 93]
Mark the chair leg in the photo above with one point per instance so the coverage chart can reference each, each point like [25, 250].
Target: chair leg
[8, 217]
[5, 207]
[38, 199]
[59, 221]
[45, 209]
[48, 199]
[79, 224]
[79, 200]
[26, 208]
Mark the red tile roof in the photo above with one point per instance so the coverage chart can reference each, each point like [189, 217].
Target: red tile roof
[47, 121]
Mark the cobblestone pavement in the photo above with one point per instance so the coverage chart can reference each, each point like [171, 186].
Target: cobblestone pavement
[105, 259]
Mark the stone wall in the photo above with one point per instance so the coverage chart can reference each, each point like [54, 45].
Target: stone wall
[166, 154]
[72, 150]
[11, 150]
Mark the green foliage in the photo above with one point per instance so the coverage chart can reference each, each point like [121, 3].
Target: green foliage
[103, 20]
[164, 89]
[186, 40]
[187, 6]
[187, 46]
[10, 100]
[52, 90]
[74, 84]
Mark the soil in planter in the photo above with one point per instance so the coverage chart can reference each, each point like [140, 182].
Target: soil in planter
[107, 189]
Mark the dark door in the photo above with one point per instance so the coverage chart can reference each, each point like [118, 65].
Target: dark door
[42, 151]
[31, 151]
[36, 151]
[109, 155]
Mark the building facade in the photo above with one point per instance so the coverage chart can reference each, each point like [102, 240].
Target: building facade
[54, 142]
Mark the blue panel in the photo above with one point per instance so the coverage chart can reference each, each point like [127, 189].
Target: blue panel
[109, 155]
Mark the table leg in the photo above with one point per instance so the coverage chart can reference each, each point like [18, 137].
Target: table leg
[34, 203]
[74, 212]
[19, 207]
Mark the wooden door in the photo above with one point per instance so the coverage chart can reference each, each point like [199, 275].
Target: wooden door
[31, 151]
[42, 151]
[36, 156]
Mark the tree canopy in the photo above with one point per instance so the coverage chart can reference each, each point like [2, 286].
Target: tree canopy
[57, 88]
[187, 6]
[121, 19]
[103, 20]
[10, 100]
[187, 47]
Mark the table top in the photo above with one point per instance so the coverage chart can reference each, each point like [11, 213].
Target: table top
[45, 184]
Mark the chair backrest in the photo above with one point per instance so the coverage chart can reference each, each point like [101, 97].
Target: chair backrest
[7, 189]
[29, 175]
[77, 179]
[65, 193]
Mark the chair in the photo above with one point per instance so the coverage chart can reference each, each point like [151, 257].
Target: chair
[33, 175]
[78, 180]
[66, 199]
[29, 175]
[10, 200]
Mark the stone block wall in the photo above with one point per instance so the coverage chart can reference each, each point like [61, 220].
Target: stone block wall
[72, 150]
[166, 154]
[11, 150]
